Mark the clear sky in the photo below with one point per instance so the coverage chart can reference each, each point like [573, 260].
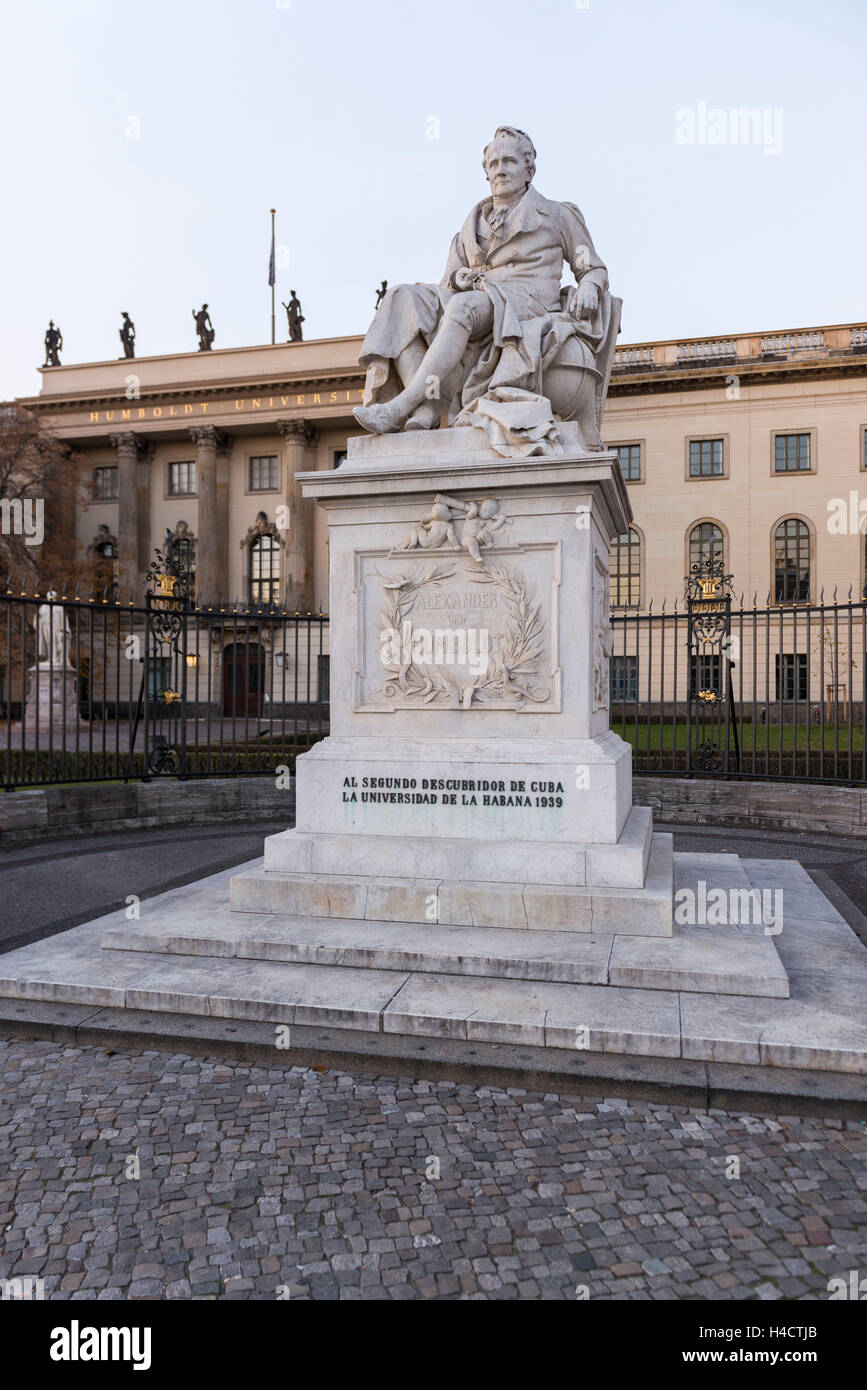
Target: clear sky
[143, 145]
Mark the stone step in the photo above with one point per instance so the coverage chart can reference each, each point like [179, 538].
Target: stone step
[821, 1028]
[596, 910]
[620, 865]
[696, 959]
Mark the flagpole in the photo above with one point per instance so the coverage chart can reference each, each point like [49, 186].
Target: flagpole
[273, 279]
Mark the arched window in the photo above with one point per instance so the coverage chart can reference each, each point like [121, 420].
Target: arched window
[625, 575]
[265, 569]
[792, 562]
[705, 543]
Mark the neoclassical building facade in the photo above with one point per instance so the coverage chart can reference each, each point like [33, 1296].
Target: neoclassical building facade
[748, 445]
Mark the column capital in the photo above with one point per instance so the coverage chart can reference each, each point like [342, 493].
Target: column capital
[130, 442]
[299, 432]
[209, 437]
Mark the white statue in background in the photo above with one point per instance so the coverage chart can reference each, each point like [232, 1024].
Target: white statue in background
[52, 635]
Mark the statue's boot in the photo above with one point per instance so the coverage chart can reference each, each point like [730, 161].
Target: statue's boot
[426, 417]
[386, 418]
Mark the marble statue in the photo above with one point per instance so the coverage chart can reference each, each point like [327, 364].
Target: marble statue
[499, 343]
[52, 635]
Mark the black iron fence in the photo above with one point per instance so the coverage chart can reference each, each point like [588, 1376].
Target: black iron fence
[96, 691]
[727, 690]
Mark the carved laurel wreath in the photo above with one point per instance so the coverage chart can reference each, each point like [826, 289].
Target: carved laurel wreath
[508, 677]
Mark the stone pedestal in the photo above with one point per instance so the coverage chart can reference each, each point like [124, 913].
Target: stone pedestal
[52, 698]
[471, 774]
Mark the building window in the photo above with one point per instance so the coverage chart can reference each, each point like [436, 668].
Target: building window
[338, 457]
[791, 453]
[624, 679]
[625, 574]
[265, 474]
[791, 675]
[629, 457]
[864, 447]
[182, 479]
[705, 543]
[265, 570]
[792, 562]
[705, 673]
[705, 458]
[159, 676]
[105, 484]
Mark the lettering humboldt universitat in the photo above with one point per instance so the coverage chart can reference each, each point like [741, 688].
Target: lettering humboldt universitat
[181, 410]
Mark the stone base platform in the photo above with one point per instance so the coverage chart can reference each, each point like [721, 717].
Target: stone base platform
[455, 901]
[710, 995]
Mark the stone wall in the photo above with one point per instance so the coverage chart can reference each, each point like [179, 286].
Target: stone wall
[759, 805]
[84, 810]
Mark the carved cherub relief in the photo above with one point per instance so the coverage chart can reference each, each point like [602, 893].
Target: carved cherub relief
[481, 522]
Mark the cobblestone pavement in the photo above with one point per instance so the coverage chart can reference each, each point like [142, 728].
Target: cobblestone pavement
[263, 1182]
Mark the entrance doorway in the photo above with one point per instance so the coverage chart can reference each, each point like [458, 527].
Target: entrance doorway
[243, 680]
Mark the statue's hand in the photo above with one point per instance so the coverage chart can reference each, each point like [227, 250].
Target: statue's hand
[583, 300]
[468, 279]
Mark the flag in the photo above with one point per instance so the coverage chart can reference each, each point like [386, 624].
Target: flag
[272, 264]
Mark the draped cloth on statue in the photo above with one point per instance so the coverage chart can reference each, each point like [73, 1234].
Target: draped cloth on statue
[519, 258]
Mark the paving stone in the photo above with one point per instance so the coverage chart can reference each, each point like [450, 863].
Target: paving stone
[315, 1183]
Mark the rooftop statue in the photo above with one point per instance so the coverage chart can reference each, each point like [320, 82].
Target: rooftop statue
[204, 328]
[295, 318]
[127, 335]
[53, 345]
[499, 343]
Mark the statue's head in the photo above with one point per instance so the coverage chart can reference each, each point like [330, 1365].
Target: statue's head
[509, 161]
[488, 509]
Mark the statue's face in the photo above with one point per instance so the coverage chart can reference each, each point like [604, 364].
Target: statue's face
[505, 167]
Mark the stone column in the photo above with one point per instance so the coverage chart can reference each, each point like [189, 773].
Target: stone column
[298, 435]
[133, 471]
[208, 440]
[221, 540]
